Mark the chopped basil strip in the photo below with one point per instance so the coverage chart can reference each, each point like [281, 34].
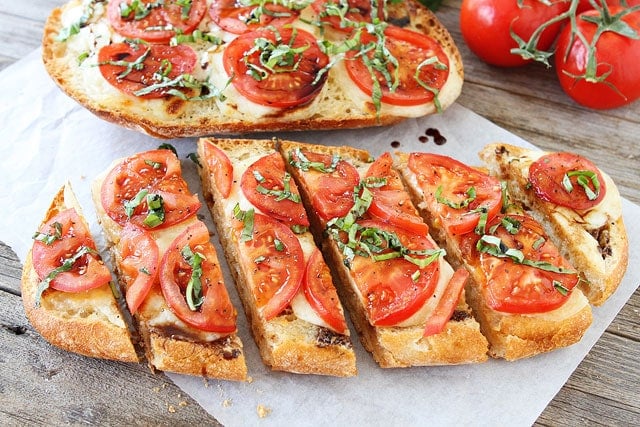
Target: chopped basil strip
[284, 194]
[538, 243]
[144, 270]
[66, 265]
[193, 292]
[186, 8]
[305, 164]
[155, 205]
[195, 37]
[154, 165]
[167, 146]
[471, 196]
[494, 246]
[437, 65]
[482, 220]
[49, 238]
[74, 28]
[510, 224]
[138, 8]
[194, 158]
[260, 259]
[299, 229]
[277, 243]
[155, 215]
[560, 288]
[583, 179]
[247, 219]
[131, 205]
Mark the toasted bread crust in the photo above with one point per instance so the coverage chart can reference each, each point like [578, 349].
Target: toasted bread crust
[511, 336]
[286, 343]
[166, 348]
[88, 323]
[601, 254]
[392, 347]
[172, 117]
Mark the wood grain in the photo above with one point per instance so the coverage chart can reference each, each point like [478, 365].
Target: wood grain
[528, 101]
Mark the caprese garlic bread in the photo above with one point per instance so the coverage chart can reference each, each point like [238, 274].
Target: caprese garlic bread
[168, 267]
[178, 68]
[579, 206]
[286, 288]
[405, 300]
[67, 291]
[522, 290]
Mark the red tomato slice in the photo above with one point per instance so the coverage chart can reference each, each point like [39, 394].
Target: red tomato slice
[173, 61]
[139, 265]
[549, 174]
[221, 166]
[276, 261]
[456, 179]
[87, 272]
[359, 11]
[158, 172]
[231, 16]
[283, 202]
[391, 203]
[517, 288]
[157, 21]
[332, 190]
[287, 82]
[390, 289]
[216, 314]
[321, 294]
[411, 49]
[447, 304]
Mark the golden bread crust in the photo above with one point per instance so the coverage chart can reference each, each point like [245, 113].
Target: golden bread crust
[173, 117]
[392, 347]
[88, 323]
[601, 253]
[286, 343]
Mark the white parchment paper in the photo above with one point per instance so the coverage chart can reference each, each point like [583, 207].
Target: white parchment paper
[48, 139]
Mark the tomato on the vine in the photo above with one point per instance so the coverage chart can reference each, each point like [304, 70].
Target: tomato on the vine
[487, 26]
[605, 74]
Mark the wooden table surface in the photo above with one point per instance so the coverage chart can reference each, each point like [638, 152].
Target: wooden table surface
[40, 384]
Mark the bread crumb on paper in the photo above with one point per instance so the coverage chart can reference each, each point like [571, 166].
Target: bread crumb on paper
[263, 411]
[226, 403]
[171, 409]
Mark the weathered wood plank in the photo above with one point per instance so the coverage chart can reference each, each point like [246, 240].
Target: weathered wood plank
[42, 385]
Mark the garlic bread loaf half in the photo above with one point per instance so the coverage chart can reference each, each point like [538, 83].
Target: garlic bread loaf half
[68, 293]
[285, 286]
[201, 67]
[579, 206]
[406, 302]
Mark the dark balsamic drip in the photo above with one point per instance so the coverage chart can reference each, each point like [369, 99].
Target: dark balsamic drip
[395, 144]
[438, 139]
[423, 139]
